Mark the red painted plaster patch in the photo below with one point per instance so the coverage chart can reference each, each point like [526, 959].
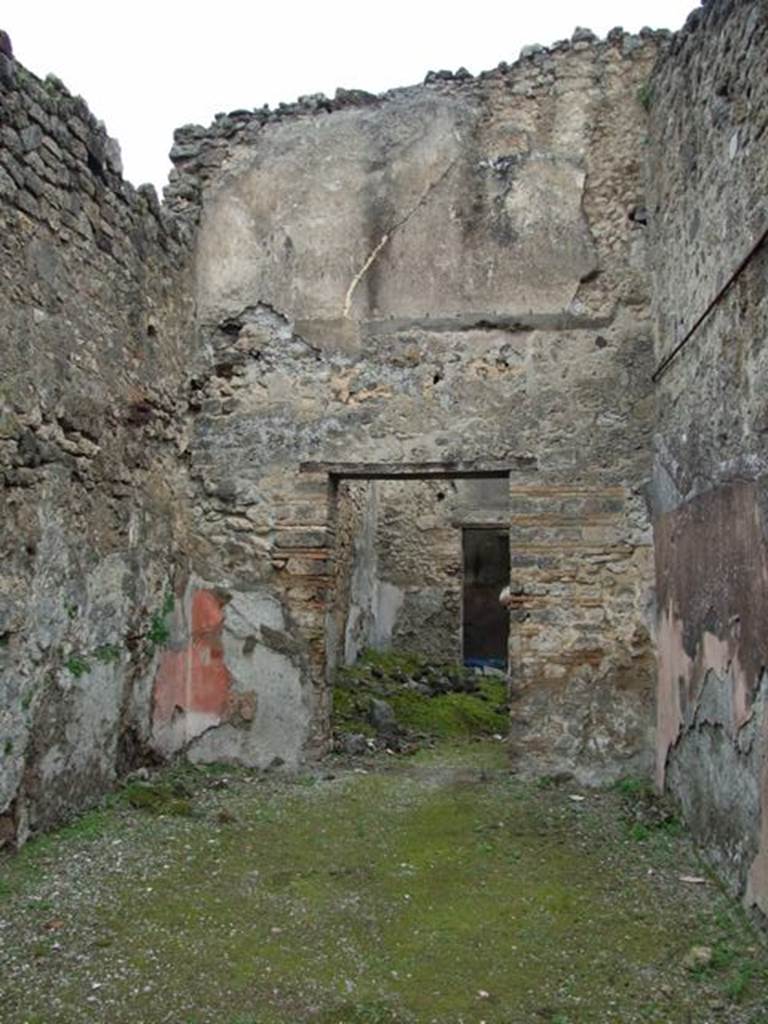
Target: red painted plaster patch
[195, 679]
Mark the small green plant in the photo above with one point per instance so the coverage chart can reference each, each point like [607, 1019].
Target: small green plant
[671, 826]
[158, 630]
[645, 96]
[8, 748]
[53, 85]
[107, 653]
[639, 831]
[77, 666]
[630, 785]
[646, 812]
[4, 639]
[41, 907]
[723, 956]
[91, 825]
[736, 987]
[548, 781]
[71, 610]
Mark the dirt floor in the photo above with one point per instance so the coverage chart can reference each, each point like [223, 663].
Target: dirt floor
[436, 887]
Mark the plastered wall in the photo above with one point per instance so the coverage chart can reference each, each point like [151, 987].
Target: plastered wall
[708, 168]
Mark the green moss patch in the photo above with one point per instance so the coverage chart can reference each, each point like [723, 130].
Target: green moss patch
[427, 700]
[455, 714]
[158, 798]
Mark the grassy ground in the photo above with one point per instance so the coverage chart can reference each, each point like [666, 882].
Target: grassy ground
[434, 888]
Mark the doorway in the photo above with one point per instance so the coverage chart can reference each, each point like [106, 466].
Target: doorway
[485, 622]
[486, 498]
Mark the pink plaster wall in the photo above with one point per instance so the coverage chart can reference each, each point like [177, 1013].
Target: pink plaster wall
[712, 577]
[193, 679]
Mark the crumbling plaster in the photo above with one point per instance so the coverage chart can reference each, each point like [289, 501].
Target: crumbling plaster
[708, 180]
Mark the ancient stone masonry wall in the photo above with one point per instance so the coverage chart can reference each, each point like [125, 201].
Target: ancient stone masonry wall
[708, 168]
[93, 308]
[452, 273]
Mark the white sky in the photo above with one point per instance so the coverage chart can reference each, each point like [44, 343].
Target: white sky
[147, 66]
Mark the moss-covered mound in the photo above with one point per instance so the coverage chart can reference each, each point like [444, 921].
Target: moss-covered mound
[158, 798]
[395, 699]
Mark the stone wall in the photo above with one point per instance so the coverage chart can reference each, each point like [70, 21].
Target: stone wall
[708, 168]
[418, 569]
[449, 274]
[93, 303]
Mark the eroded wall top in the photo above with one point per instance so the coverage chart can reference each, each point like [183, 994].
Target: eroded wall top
[458, 202]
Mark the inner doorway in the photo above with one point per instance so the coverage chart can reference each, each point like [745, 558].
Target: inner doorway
[367, 602]
[485, 622]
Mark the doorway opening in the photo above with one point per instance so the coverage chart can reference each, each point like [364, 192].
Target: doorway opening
[485, 622]
[399, 613]
[418, 561]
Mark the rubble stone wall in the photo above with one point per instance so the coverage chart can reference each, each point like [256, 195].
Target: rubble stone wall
[455, 274]
[419, 564]
[708, 169]
[93, 303]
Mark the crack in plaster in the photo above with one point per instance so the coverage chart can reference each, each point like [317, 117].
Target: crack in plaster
[385, 238]
[362, 272]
